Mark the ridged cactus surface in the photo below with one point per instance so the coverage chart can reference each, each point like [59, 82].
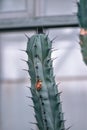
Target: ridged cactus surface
[82, 17]
[83, 44]
[45, 95]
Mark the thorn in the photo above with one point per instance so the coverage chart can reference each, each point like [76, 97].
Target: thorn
[48, 58]
[59, 103]
[29, 78]
[29, 97]
[63, 120]
[25, 70]
[27, 87]
[58, 93]
[23, 60]
[78, 4]
[22, 50]
[54, 58]
[46, 37]
[47, 34]
[31, 106]
[53, 39]
[68, 127]
[52, 48]
[55, 50]
[33, 123]
[26, 36]
[49, 50]
[58, 83]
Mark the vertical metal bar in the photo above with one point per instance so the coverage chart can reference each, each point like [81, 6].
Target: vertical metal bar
[39, 8]
[40, 30]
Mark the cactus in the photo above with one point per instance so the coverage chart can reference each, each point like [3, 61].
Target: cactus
[82, 17]
[45, 95]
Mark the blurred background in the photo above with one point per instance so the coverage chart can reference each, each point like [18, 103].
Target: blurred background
[69, 68]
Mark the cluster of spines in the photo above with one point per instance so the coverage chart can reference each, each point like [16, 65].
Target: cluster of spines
[48, 117]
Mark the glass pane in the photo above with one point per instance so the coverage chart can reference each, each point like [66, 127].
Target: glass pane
[39, 7]
[14, 110]
[16, 9]
[74, 102]
[12, 64]
[69, 59]
[12, 5]
[60, 7]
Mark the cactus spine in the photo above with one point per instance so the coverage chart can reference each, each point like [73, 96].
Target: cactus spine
[45, 95]
[82, 17]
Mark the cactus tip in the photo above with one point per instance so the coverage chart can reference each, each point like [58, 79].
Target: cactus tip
[23, 50]
[23, 60]
[33, 123]
[25, 70]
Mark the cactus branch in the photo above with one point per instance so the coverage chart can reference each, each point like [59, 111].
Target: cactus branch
[45, 95]
[82, 17]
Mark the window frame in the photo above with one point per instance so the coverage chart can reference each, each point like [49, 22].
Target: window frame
[18, 24]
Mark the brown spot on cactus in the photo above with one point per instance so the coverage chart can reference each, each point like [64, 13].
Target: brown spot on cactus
[83, 31]
[38, 85]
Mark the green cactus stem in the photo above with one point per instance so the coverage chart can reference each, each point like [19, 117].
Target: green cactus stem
[83, 44]
[45, 95]
[82, 17]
